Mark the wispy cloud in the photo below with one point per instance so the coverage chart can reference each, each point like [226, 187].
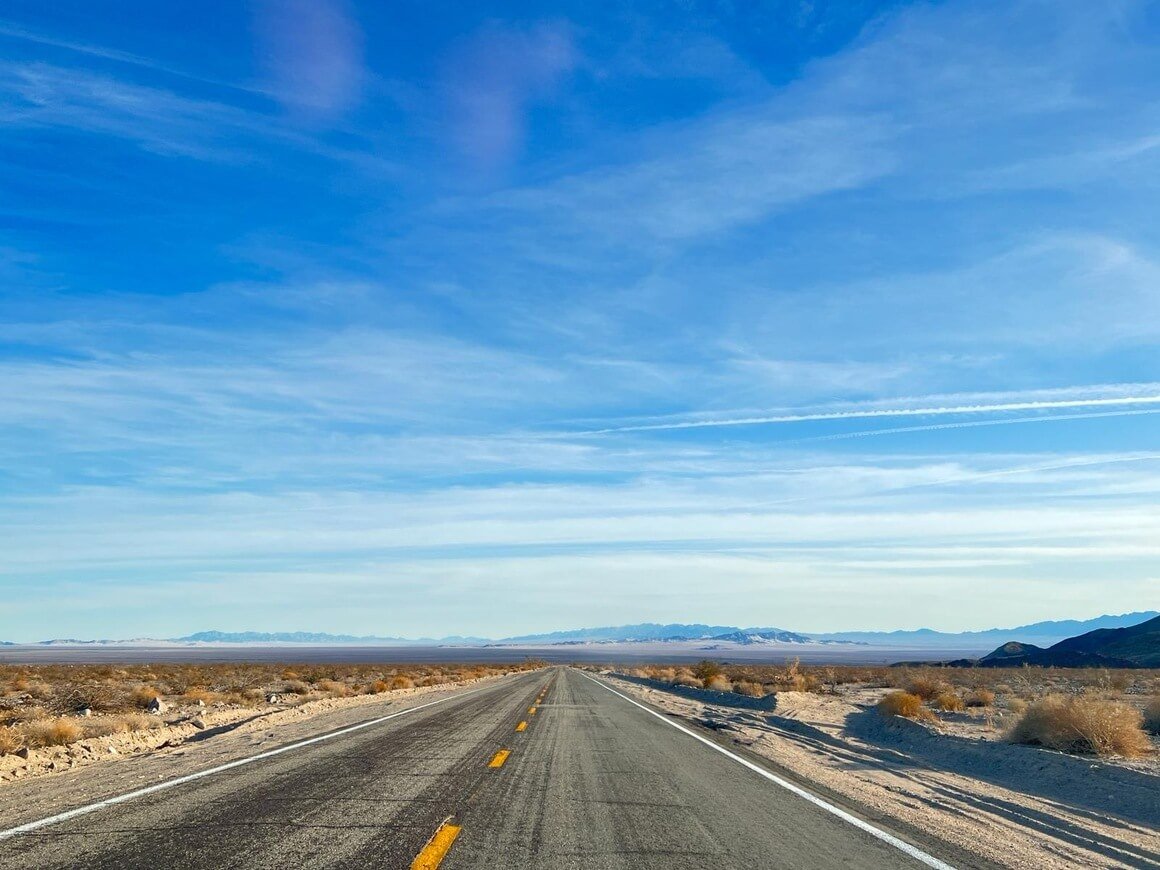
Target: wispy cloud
[492, 80]
[728, 171]
[312, 53]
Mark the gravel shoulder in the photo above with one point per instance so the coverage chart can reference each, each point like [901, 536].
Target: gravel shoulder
[1017, 806]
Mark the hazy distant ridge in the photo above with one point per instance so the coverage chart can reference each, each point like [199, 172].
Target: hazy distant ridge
[1040, 634]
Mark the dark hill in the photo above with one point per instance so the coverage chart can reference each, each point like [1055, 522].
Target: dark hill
[1135, 646]
[1012, 650]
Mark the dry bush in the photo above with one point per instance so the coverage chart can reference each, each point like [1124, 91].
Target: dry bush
[121, 724]
[981, 696]
[719, 683]
[9, 740]
[898, 703]
[752, 690]
[1152, 716]
[1017, 706]
[402, 682]
[195, 694]
[705, 670]
[51, 732]
[1084, 726]
[296, 687]
[927, 687]
[950, 702]
[380, 686]
[687, 680]
[143, 696]
[333, 688]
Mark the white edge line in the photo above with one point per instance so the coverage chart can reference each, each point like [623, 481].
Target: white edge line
[901, 845]
[181, 780]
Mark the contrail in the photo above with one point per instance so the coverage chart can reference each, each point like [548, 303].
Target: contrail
[1058, 404]
[967, 424]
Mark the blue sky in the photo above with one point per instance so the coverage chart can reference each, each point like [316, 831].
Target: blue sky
[382, 319]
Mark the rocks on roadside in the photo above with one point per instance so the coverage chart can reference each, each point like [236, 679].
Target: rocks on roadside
[85, 712]
[273, 698]
[156, 707]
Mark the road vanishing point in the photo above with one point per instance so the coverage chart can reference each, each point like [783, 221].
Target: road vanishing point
[553, 769]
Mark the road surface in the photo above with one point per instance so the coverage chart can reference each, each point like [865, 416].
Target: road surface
[590, 779]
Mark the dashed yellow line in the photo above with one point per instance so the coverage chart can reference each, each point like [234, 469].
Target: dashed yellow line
[531, 711]
[521, 726]
[432, 855]
[499, 758]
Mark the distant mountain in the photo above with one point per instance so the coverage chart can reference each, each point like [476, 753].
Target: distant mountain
[751, 636]
[1042, 634]
[623, 633]
[315, 637]
[1131, 646]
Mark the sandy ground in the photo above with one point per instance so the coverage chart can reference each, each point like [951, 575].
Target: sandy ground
[1019, 806]
[52, 780]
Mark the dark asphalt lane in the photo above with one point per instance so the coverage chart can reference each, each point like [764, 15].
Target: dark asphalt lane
[591, 782]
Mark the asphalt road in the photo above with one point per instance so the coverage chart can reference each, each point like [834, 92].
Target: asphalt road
[591, 781]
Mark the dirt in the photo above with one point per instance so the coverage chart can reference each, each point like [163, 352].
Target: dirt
[1019, 806]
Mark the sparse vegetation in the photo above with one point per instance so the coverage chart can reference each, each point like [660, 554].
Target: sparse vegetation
[899, 703]
[981, 696]
[949, 702]
[1086, 726]
[39, 705]
[1152, 716]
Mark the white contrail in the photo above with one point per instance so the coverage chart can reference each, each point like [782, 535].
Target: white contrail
[1051, 405]
[968, 424]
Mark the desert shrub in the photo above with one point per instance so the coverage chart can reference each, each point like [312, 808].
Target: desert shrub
[143, 696]
[1017, 706]
[296, 687]
[752, 690]
[705, 670]
[926, 687]
[192, 696]
[719, 683]
[38, 690]
[898, 703]
[333, 688]
[52, 732]
[687, 680]
[402, 682]
[1152, 716]
[949, 702]
[1083, 725]
[380, 686]
[122, 724]
[981, 696]
[9, 740]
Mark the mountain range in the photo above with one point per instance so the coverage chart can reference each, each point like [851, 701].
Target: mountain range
[1136, 646]
[1039, 635]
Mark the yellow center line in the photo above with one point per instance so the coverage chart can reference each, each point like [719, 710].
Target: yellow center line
[432, 855]
[521, 726]
[499, 758]
[531, 711]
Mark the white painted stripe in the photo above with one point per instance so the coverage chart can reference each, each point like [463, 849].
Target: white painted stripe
[181, 780]
[901, 845]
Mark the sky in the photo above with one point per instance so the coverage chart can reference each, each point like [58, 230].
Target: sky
[488, 318]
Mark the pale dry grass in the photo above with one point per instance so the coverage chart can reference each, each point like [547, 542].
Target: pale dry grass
[899, 703]
[1083, 725]
[949, 702]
